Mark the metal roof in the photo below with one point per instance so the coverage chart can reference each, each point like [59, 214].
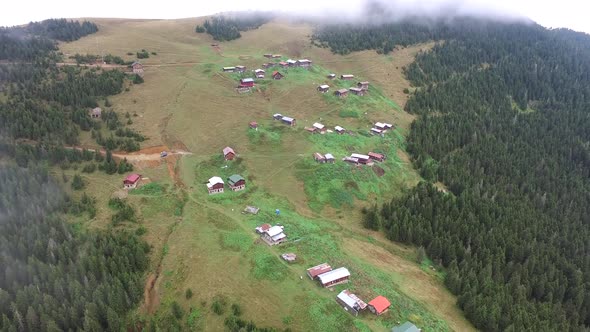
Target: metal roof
[380, 303]
[329, 156]
[344, 297]
[247, 80]
[228, 68]
[338, 128]
[288, 119]
[356, 89]
[334, 275]
[359, 156]
[342, 91]
[347, 75]
[274, 230]
[214, 180]
[324, 86]
[235, 179]
[378, 131]
[319, 269]
[318, 125]
[278, 236]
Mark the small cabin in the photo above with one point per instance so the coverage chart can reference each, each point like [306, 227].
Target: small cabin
[319, 127]
[341, 93]
[346, 77]
[240, 69]
[319, 158]
[350, 302]
[357, 91]
[329, 158]
[376, 156]
[363, 85]
[323, 88]
[259, 73]
[236, 182]
[288, 121]
[229, 153]
[229, 69]
[277, 116]
[376, 131]
[137, 68]
[215, 185]
[95, 113]
[304, 63]
[383, 126]
[334, 277]
[253, 125]
[276, 75]
[315, 271]
[379, 305]
[339, 130]
[331, 76]
[362, 159]
[274, 235]
[131, 181]
[247, 82]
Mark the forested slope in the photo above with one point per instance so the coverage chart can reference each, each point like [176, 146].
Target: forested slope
[503, 123]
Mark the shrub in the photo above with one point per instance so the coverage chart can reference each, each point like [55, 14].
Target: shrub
[188, 294]
[77, 182]
[236, 309]
[176, 310]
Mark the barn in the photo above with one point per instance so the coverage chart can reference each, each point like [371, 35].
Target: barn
[334, 277]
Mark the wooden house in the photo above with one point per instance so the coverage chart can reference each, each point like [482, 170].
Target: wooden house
[303, 63]
[228, 153]
[236, 182]
[276, 75]
[319, 158]
[315, 271]
[137, 68]
[362, 159]
[274, 236]
[363, 85]
[334, 277]
[319, 127]
[346, 77]
[339, 130]
[341, 93]
[247, 82]
[95, 113]
[259, 73]
[240, 69]
[323, 88]
[131, 181]
[357, 91]
[376, 156]
[329, 158]
[229, 69]
[288, 121]
[253, 125]
[406, 327]
[331, 76]
[350, 302]
[215, 185]
[379, 305]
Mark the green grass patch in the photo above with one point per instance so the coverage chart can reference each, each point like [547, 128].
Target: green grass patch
[150, 189]
[236, 241]
[267, 266]
[349, 113]
[265, 135]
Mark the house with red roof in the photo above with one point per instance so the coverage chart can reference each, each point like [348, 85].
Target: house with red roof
[315, 271]
[276, 75]
[229, 153]
[131, 181]
[379, 305]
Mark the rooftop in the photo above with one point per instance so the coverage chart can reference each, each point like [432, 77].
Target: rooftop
[338, 128]
[288, 119]
[228, 150]
[274, 231]
[133, 177]
[359, 156]
[329, 156]
[319, 269]
[339, 273]
[380, 303]
[235, 179]
[247, 80]
[213, 181]
[318, 125]
[324, 86]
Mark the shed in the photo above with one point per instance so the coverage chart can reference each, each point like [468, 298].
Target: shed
[253, 125]
[363, 85]
[315, 271]
[289, 257]
[259, 73]
[406, 327]
[95, 112]
[341, 93]
[383, 125]
[283, 64]
[229, 153]
[350, 160]
[215, 185]
[323, 88]
[291, 62]
[288, 120]
[131, 181]
[335, 277]
[247, 82]
[379, 305]
[275, 56]
[276, 75]
[339, 130]
[350, 302]
[346, 77]
[331, 76]
[236, 182]
[319, 158]
[357, 91]
[376, 156]
[329, 158]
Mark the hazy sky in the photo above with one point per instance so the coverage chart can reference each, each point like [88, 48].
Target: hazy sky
[572, 14]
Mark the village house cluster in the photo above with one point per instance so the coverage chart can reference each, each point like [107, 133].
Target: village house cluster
[216, 185]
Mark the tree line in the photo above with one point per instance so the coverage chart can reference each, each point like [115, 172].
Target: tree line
[502, 128]
[223, 28]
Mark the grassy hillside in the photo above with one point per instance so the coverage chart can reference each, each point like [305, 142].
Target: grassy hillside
[209, 246]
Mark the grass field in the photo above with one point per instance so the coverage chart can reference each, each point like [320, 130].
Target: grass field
[203, 242]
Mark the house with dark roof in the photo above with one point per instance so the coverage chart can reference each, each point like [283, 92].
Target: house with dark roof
[323, 88]
[236, 182]
[346, 77]
[315, 271]
[341, 93]
[229, 153]
[379, 305]
[131, 181]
